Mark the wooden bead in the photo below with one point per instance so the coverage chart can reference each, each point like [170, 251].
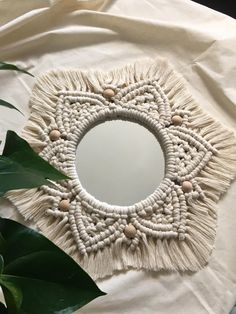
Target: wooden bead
[54, 135]
[108, 93]
[187, 186]
[130, 231]
[177, 120]
[64, 205]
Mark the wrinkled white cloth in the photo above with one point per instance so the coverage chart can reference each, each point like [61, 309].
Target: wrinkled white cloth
[201, 44]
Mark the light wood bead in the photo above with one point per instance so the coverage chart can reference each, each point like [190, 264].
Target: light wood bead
[187, 186]
[108, 93]
[64, 205]
[177, 120]
[130, 231]
[54, 135]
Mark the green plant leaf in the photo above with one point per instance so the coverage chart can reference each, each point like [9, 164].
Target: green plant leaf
[8, 105]
[12, 295]
[1, 264]
[49, 279]
[12, 67]
[2, 244]
[21, 167]
[3, 309]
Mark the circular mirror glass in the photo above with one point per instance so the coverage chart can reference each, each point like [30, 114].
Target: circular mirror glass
[120, 162]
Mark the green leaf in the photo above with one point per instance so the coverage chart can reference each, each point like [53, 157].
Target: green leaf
[8, 105]
[12, 295]
[3, 309]
[21, 167]
[49, 279]
[12, 67]
[2, 244]
[1, 264]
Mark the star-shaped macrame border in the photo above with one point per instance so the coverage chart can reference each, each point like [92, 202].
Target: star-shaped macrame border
[174, 227]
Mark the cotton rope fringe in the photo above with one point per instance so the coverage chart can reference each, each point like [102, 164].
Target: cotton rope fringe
[172, 229]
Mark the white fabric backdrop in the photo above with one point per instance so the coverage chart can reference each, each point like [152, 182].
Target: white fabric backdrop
[201, 43]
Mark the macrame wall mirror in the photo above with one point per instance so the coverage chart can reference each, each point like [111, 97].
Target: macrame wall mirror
[172, 225]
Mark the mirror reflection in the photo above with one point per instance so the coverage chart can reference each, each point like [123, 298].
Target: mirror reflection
[120, 162]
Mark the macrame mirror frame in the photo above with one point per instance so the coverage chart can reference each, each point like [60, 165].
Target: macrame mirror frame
[172, 229]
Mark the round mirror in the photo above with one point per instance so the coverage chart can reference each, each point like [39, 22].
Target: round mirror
[120, 162]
